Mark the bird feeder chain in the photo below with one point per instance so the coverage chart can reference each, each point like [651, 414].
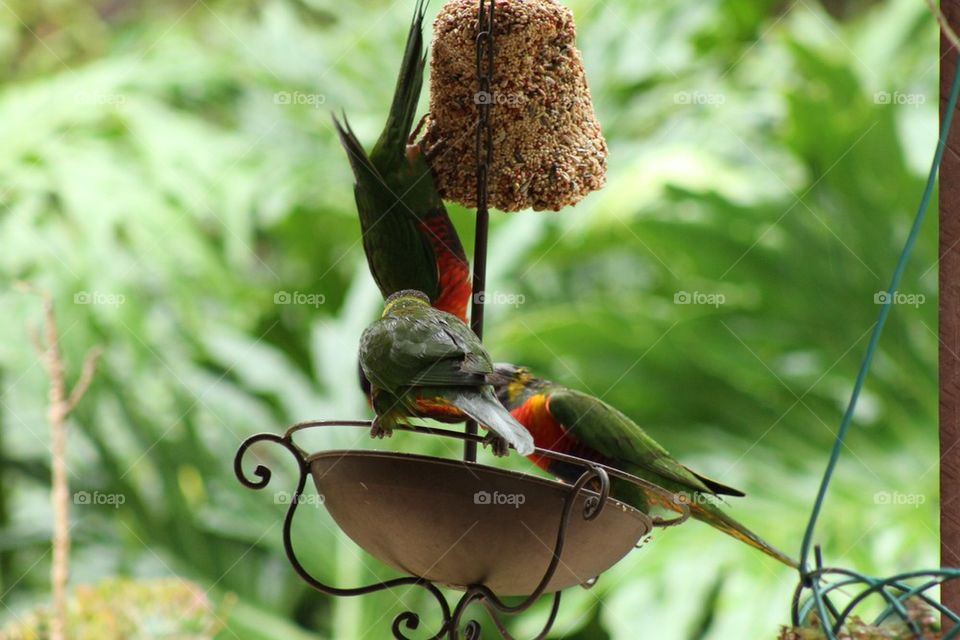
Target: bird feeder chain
[484, 158]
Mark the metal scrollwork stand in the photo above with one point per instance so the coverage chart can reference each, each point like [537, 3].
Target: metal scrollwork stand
[593, 484]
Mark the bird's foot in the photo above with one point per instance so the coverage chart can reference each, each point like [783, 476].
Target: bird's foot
[498, 445]
[378, 430]
[431, 152]
[412, 138]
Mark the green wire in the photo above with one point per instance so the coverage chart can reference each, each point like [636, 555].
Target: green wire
[881, 321]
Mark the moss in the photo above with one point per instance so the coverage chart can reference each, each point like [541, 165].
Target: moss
[117, 609]
[894, 629]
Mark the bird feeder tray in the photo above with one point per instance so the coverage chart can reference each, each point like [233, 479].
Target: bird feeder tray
[458, 524]
[486, 531]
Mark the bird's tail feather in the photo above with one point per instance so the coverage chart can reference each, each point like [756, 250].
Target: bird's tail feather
[489, 413]
[393, 140]
[363, 169]
[713, 515]
[717, 487]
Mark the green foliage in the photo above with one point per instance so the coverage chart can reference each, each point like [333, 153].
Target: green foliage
[169, 169]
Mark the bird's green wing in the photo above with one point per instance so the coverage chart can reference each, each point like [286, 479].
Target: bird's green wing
[604, 429]
[477, 359]
[458, 357]
[609, 432]
[427, 350]
[398, 254]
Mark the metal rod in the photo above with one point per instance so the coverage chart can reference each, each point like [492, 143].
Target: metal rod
[476, 309]
[949, 328]
[480, 272]
[484, 156]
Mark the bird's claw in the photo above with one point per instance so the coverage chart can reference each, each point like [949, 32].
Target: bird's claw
[377, 430]
[411, 139]
[498, 445]
[431, 152]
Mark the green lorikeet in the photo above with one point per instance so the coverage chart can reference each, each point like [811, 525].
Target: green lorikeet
[427, 363]
[408, 238]
[575, 423]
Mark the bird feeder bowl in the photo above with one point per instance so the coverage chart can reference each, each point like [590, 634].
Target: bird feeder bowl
[458, 524]
[486, 531]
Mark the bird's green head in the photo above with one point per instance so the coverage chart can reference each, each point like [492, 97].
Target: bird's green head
[512, 384]
[404, 301]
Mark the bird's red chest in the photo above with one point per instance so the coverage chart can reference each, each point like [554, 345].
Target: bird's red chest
[534, 414]
[454, 287]
[454, 272]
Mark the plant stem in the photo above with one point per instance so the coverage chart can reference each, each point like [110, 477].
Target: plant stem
[61, 405]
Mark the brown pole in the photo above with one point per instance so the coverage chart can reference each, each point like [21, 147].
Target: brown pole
[949, 325]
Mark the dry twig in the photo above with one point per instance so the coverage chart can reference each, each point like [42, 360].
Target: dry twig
[61, 405]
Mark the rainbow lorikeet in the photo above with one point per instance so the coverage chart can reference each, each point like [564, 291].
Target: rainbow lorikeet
[408, 238]
[575, 423]
[427, 363]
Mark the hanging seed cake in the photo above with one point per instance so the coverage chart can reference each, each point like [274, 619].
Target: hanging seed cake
[548, 151]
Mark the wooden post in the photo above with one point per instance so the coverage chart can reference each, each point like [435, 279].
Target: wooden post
[950, 324]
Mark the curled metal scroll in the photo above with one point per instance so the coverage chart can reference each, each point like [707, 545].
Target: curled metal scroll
[495, 606]
[408, 619]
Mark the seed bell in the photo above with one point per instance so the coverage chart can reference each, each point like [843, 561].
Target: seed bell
[548, 151]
